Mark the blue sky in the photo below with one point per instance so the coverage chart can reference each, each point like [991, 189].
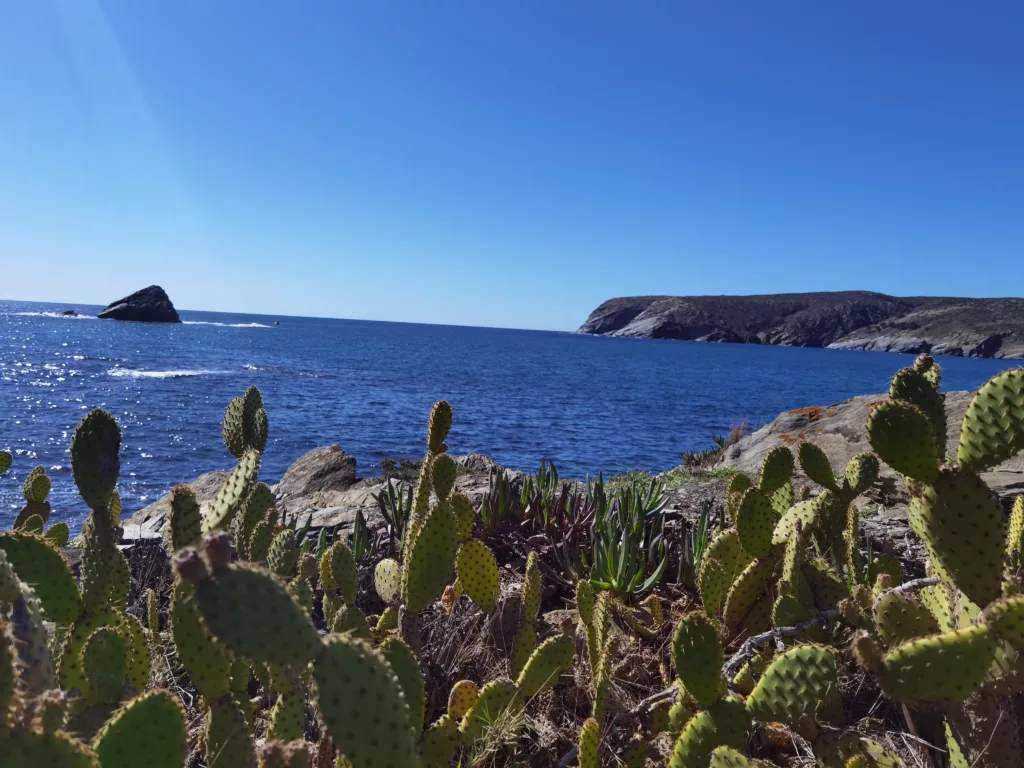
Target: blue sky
[506, 163]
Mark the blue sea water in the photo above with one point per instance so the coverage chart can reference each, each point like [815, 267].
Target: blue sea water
[590, 403]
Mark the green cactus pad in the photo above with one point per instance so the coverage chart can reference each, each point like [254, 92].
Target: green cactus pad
[256, 508]
[463, 510]
[724, 724]
[827, 588]
[137, 671]
[105, 661]
[727, 757]
[252, 613]
[801, 681]
[523, 646]
[532, 589]
[738, 483]
[387, 621]
[260, 541]
[803, 514]
[496, 699]
[962, 525]
[1006, 618]
[31, 645]
[816, 466]
[438, 426]
[10, 584]
[912, 386]
[697, 656]
[350, 620]
[36, 486]
[232, 492]
[185, 526]
[993, 427]
[949, 666]
[940, 602]
[724, 560]
[28, 749]
[387, 579]
[478, 573]
[751, 672]
[43, 567]
[544, 666]
[440, 743]
[232, 427]
[901, 618]
[288, 716]
[149, 730]
[226, 735]
[95, 457]
[57, 535]
[69, 662]
[902, 436]
[443, 471]
[406, 667]
[463, 696]
[602, 680]
[861, 472]
[106, 577]
[776, 470]
[1015, 534]
[284, 554]
[429, 566]
[339, 572]
[750, 587]
[32, 517]
[755, 521]
[258, 430]
[589, 744]
[363, 704]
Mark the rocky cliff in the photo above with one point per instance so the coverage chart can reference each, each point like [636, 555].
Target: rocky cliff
[843, 320]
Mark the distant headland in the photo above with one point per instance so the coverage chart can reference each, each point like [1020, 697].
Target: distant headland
[839, 320]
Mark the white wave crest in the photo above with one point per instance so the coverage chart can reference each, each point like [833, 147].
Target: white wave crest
[56, 315]
[131, 373]
[225, 325]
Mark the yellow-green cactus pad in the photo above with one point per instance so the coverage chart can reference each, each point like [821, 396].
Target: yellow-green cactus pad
[429, 566]
[95, 457]
[949, 666]
[363, 704]
[440, 742]
[43, 567]
[902, 436]
[185, 526]
[6, 459]
[993, 427]
[723, 562]
[36, 486]
[438, 426]
[260, 540]
[478, 574]
[463, 510]
[206, 660]
[801, 681]
[1006, 618]
[232, 492]
[406, 667]
[387, 579]
[776, 470]
[589, 744]
[750, 588]
[496, 700]
[755, 521]
[232, 427]
[861, 472]
[698, 658]
[443, 471]
[912, 386]
[69, 665]
[338, 571]
[727, 757]
[816, 466]
[523, 646]
[134, 635]
[226, 734]
[149, 730]
[28, 749]
[803, 514]
[57, 535]
[724, 724]
[544, 666]
[252, 613]
[105, 662]
[901, 618]
[462, 698]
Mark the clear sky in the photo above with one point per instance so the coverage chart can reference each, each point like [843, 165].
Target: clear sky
[506, 163]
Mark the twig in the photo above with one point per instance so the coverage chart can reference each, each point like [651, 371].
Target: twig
[751, 644]
[909, 586]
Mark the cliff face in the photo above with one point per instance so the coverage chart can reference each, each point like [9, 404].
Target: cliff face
[844, 320]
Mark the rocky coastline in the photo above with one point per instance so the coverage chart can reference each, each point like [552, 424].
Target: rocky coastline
[862, 320]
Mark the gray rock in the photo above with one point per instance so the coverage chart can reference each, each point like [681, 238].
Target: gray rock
[316, 478]
[152, 517]
[150, 305]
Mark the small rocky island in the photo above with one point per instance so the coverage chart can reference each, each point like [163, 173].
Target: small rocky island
[840, 320]
[150, 305]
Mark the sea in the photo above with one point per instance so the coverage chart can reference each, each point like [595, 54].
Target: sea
[590, 404]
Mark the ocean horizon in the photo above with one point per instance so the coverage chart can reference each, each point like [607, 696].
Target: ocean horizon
[590, 404]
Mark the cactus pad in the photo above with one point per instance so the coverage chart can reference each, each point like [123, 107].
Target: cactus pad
[431, 556]
[438, 426]
[697, 656]
[57, 535]
[723, 561]
[495, 699]
[1006, 618]
[949, 666]
[95, 457]
[28, 749]
[1015, 534]
[755, 521]
[204, 658]
[902, 436]
[912, 386]
[801, 681]
[226, 735]
[993, 427]
[776, 470]
[462, 698]
[727, 757]
[861, 472]
[43, 567]
[350, 620]
[463, 510]
[962, 525]
[724, 724]
[249, 611]
[523, 646]
[749, 589]
[232, 492]
[149, 730]
[590, 744]
[232, 427]
[406, 667]
[37, 485]
[544, 666]
[105, 662]
[901, 618]
[134, 636]
[440, 743]
[185, 527]
[803, 514]
[443, 471]
[284, 553]
[816, 466]
[478, 573]
[339, 572]
[363, 704]
[387, 579]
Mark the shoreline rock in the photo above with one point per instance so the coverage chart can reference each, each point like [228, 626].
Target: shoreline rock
[150, 305]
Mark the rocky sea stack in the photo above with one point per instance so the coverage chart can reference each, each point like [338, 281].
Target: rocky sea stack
[150, 305]
[840, 320]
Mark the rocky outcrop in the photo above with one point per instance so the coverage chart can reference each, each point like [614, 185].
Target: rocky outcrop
[150, 305]
[316, 478]
[845, 320]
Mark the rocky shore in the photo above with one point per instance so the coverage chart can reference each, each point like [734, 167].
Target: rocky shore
[840, 320]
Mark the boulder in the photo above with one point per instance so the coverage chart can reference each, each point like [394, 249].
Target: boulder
[150, 305]
[149, 521]
[316, 478]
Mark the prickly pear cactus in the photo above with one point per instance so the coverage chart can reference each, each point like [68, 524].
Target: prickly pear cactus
[816, 466]
[284, 554]
[185, 527]
[406, 668]
[903, 438]
[462, 697]
[723, 562]
[431, 558]
[590, 744]
[497, 699]
[802, 681]
[464, 513]
[544, 666]
[477, 571]
[338, 571]
[755, 522]
[38, 564]
[387, 579]
[149, 730]
[724, 724]
[698, 658]
[964, 656]
[443, 472]
[232, 492]
[95, 457]
[993, 427]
